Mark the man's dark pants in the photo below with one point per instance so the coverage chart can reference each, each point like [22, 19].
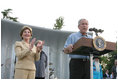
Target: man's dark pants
[79, 69]
[39, 77]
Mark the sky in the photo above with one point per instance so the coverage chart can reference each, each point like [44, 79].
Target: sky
[101, 14]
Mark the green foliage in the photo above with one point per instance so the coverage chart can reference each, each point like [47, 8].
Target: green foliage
[5, 14]
[13, 19]
[108, 61]
[59, 23]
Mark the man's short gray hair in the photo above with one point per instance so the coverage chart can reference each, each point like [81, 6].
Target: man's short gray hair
[81, 20]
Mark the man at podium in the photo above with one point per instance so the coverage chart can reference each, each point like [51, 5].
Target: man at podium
[79, 64]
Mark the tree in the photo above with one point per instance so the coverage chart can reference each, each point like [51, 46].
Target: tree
[6, 13]
[108, 61]
[59, 23]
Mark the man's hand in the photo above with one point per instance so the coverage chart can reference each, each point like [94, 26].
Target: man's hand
[40, 45]
[69, 49]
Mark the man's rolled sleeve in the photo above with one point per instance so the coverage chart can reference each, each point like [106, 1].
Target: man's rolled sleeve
[68, 42]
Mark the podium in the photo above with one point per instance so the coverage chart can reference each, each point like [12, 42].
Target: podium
[85, 46]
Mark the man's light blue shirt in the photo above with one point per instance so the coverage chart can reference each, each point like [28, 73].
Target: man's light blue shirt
[72, 39]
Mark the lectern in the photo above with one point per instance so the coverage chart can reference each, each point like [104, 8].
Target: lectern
[85, 45]
[90, 47]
